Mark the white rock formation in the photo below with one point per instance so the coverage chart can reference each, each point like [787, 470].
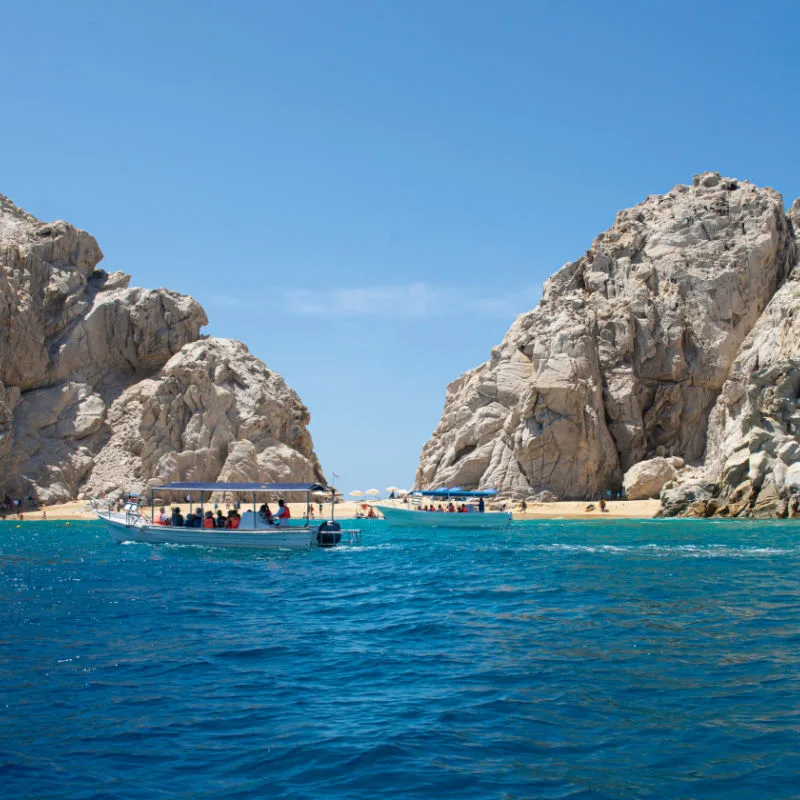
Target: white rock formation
[212, 412]
[626, 353]
[647, 478]
[103, 385]
[753, 456]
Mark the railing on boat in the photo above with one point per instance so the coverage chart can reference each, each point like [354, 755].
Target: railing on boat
[130, 512]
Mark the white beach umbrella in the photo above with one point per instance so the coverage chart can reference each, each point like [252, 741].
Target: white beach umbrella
[357, 493]
[372, 492]
[391, 489]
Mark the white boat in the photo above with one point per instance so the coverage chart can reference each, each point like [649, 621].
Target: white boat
[130, 525]
[409, 516]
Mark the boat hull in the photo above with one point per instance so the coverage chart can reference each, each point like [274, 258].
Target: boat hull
[124, 529]
[410, 518]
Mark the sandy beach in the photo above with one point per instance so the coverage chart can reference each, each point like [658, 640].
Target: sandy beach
[570, 509]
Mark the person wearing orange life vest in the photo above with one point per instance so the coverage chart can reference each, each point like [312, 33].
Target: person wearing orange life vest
[283, 515]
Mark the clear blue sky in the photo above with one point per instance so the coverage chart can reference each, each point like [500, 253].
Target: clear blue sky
[367, 193]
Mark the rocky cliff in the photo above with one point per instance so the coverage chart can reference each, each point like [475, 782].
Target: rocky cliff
[103, 386]
[626, 356]
[752, 464]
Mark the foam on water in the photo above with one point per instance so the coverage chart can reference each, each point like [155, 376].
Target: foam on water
[558, 659]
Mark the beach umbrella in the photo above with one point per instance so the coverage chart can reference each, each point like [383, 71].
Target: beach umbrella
[391, 489]
[356, 493]
[372, 492]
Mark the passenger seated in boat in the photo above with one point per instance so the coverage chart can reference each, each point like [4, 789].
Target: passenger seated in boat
[371, 513]
[451, 508]
[265, 513]
[163, 518]
[198, 518]
[220, 521]
[233, 520]
[440, 509]
[482, 506]
[283, 515]
[177, 518]
[190, 518]
[208, 522]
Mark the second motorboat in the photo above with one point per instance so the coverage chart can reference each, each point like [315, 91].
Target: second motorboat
[411, 513]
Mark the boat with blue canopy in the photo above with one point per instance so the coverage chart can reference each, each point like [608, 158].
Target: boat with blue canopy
[457, 509]
[253, 529]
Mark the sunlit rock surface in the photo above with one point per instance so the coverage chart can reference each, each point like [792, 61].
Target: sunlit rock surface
[104, 386]
[628, 351]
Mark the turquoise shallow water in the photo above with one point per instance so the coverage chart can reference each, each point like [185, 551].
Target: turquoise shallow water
[652, 659]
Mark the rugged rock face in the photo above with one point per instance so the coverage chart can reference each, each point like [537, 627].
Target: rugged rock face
[103, 385]
[753, 460]
[212, 410]
[627, 352]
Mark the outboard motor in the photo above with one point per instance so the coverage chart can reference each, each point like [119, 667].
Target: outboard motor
[328, 534]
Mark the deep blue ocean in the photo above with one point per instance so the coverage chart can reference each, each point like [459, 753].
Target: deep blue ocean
[655, 659]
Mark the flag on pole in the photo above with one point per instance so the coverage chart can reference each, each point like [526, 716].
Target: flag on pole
[335, 475]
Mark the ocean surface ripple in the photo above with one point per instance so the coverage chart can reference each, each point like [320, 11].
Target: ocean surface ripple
[652, 659]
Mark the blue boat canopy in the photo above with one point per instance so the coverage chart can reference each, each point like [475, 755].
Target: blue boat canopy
[242, 487]
[456, 491]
